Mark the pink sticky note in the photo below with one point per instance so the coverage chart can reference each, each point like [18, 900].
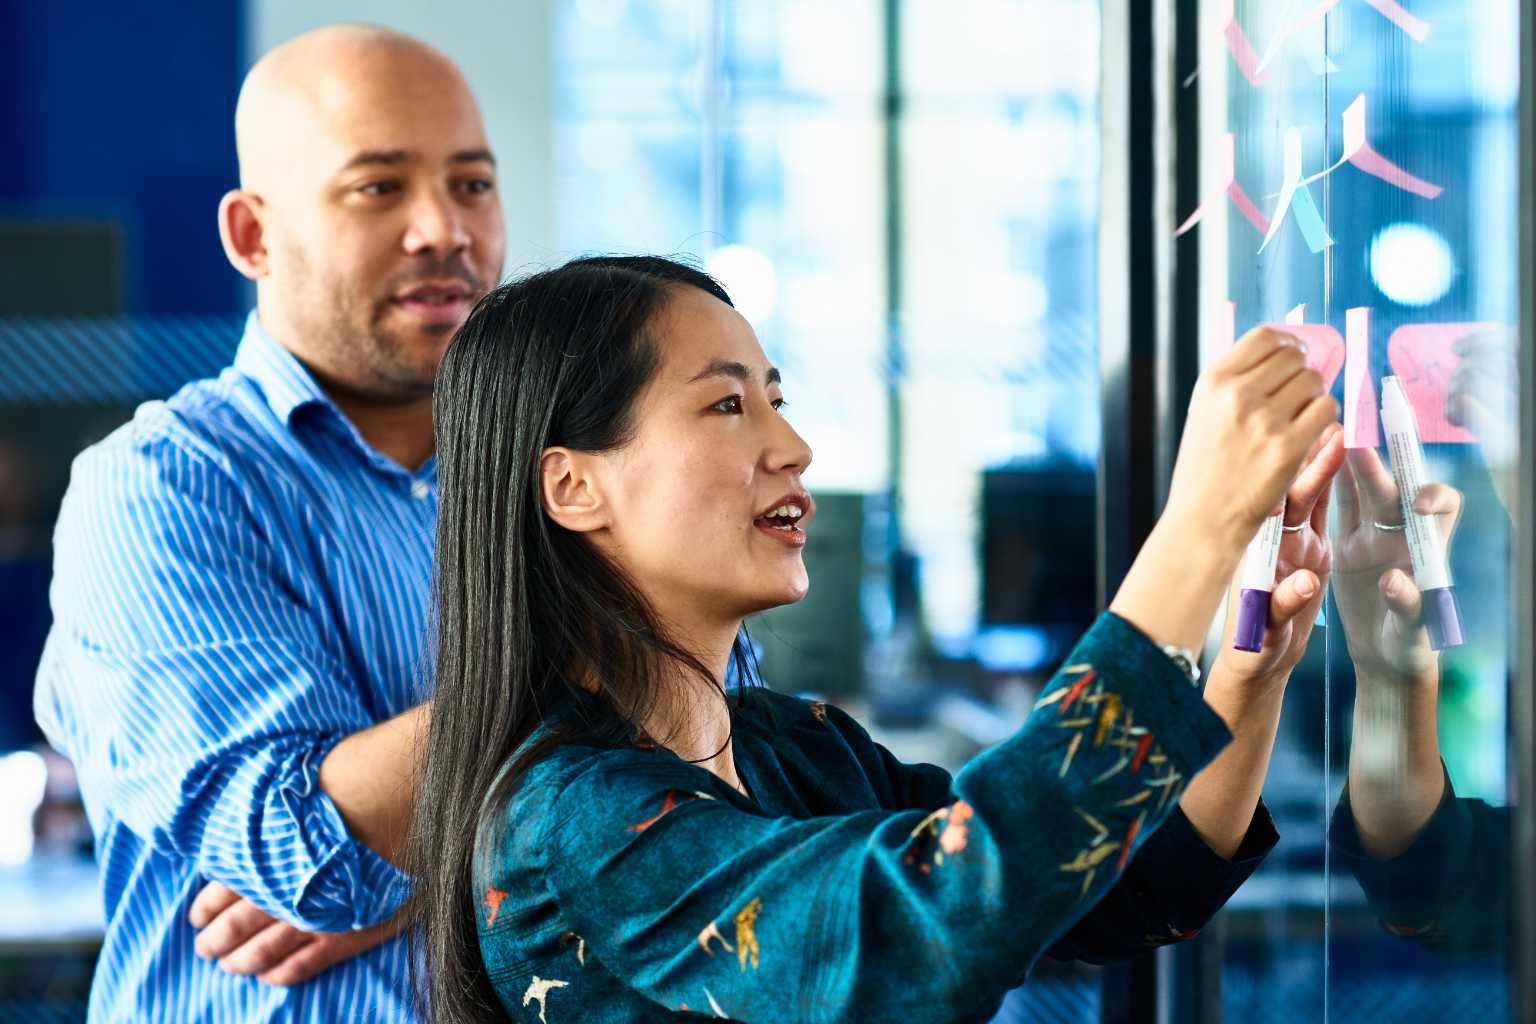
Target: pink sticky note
[1359, 152]
[1243, 53]
[1226, 184]
[1418, 28]
[1317, 13]
[1325, 349]
[1361, 426]
[1223, 333]
[1423, 356]
[1293, 194]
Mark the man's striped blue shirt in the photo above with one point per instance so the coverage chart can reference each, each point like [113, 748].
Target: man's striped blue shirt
[240, 581]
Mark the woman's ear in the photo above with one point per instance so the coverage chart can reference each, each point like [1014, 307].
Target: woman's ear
[570, 490]
[241, 230]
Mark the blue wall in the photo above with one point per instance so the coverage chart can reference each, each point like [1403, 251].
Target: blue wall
[126, 112]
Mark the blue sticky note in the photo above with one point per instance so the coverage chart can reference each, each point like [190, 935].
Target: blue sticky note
[1309, 220]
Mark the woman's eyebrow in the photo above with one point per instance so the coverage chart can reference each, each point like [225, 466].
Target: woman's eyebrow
[734, 370]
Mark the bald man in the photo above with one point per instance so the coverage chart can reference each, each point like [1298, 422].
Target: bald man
[242, 572]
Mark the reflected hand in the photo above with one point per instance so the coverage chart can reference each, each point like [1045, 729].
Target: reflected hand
[1379, 603]
[1303, 568]
[1483, 397]
[246, 940]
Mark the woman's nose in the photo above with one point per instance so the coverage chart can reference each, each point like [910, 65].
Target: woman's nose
[787, 451]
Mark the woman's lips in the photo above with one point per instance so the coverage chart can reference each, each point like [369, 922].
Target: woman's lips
[792, 536]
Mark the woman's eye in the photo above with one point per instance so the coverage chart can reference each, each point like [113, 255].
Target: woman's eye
[477, 187]
[730, 405]
[379, 188]
[779, 404]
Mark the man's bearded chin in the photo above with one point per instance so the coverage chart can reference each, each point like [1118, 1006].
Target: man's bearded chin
[402, 364]
[360, 354]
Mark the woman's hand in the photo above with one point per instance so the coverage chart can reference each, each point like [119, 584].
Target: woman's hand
[1303, 569]
[1254, 416]
[1379, 604]
[1248, 689]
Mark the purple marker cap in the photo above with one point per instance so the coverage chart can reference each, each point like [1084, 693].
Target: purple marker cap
[1252, 617]
[1441, 618]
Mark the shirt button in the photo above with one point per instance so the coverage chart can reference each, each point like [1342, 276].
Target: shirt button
[420, 490]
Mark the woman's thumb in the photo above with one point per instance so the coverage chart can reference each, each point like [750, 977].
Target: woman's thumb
[1292, 596]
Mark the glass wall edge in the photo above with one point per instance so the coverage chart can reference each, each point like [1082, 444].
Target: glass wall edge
[1523, 578]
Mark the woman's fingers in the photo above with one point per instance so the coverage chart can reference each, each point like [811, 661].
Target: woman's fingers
[1254, 349]
[1308, 422]
[1267, 383]
[1293, 595]
[1349, 499]
[1310, 490]
[1442, 502]
[1294, 397]
[1464, 409]
[1378, 491]
[1333, 458]
[1437, 500]
[1402, 597]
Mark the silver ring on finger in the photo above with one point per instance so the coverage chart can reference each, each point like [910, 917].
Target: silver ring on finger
[1292, 529]
[1388, 527]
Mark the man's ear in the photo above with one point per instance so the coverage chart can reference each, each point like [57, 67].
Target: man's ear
[242, 230]
[570, 490]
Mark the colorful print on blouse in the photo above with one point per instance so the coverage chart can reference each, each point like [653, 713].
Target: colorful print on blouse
[625, 884]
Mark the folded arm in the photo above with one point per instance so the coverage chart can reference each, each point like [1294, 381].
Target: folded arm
[201, 695]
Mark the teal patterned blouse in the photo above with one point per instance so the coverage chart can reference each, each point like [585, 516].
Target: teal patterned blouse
[625, 884]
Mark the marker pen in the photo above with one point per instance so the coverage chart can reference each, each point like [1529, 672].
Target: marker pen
[1425, 548]
[1257, 584]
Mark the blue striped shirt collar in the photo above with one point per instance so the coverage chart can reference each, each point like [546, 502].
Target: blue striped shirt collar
[287, 385]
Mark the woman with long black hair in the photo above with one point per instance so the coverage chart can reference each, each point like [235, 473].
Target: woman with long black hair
[604, 833]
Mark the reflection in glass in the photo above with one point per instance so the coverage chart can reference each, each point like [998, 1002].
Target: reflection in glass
[1406, 115]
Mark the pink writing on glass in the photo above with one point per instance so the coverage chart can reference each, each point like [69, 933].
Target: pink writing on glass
[1362, 428]
[1242, 50]
[1418, 28]
[1359, 152]
[1325, 349]
[1424, 358]
[1226, 185]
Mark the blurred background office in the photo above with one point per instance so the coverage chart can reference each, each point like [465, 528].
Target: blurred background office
[907, 198]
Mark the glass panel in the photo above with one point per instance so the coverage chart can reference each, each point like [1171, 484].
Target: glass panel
[1403, 116]
[1436, 270]
[1273, 926]
[932, 305]
[998, 396]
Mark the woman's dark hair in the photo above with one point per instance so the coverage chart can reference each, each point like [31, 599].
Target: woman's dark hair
[524, 608]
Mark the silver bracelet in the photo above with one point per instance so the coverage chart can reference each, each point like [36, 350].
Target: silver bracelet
[1185, 659]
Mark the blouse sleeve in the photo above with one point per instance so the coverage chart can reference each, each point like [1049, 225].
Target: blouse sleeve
[701, 903]
[1169, 891]
[1451, 888]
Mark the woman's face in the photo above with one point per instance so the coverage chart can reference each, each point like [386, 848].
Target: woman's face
[691, 499]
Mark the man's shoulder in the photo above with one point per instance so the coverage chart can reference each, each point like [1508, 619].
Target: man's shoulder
[218, 423]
